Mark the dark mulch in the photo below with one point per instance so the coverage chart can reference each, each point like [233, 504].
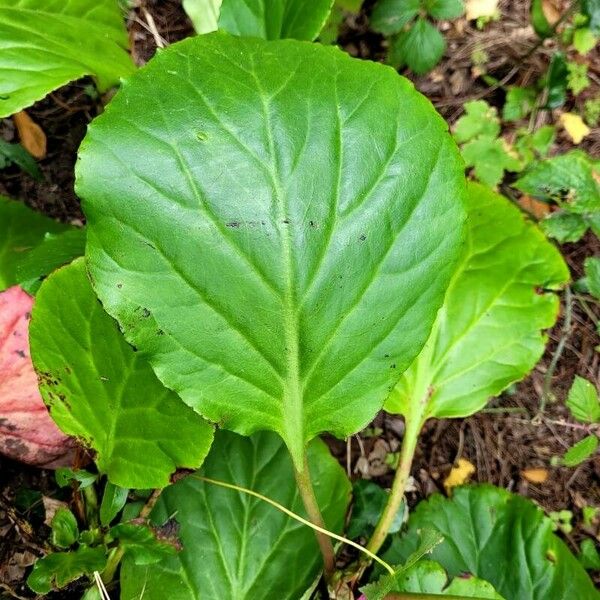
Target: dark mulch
[500, 442]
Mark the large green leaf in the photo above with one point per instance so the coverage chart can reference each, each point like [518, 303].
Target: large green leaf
[21, 230]
[499, 537]
[275, 19]
[234, 545]
[204, 14]
[280, 248]
[487, 334]
[44, 44]
[101, 391]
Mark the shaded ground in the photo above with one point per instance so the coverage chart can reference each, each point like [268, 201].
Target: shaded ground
[501, 441]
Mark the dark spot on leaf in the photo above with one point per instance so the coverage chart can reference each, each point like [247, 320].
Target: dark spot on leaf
[386, 355]
[201, 136]
[119, 285]
[312, 224]
[20, 353]
[233, 224]
[149, 244]
[286, 221]
[363, 237]
[393, 366]
[160, 332]
[146, 313]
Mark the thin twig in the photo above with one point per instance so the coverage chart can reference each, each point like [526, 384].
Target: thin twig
[158, 39]
[150, 503]
[101, 587]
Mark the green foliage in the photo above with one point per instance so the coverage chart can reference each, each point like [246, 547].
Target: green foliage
[538, 20]
[140, 544]
[428, 577]
[487, 333]
[577, 79]
[267, 19]
[583, 401]
[519, 103]
[113, 501]
[369, 500]
[100, 390]
[536, 145]
[15, 154]
[64, 528]
[55, 250]
[48, 43]
[60, 568]
[555, 82]
[580, 451]
[569, 180]
[584, 40]
[235, 545]
[295, 309]
[477, 130]
[420, 46]
[591, 9]
[82, 478]
[592, 111]
[21, 230]
[491, 533]
[589, 556]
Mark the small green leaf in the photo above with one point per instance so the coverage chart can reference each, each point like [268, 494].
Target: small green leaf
[236, 545]
[584, 40]
[274, 19]
[428, 577]
[48, 44]
[141, 543]
[539, 21]
[488, 334]
[113, 500]
[16, 154]
[519, 103]
[64, 476]
[390, 16]
[64, 528]
[100, 390]
[580, 451]
[577, 79]
[591, 8]
[564, 226]
[479, 119]
[499, 537]
[489, 158]
[369, 500]
[568, 179]
[420, 48]
[556, 81]
[592, 275]
[444, 9]
[21, 230]
[55, 250]
[589, 557]
[204, 14]
[536, 145]
[60, 568]
[583, 401]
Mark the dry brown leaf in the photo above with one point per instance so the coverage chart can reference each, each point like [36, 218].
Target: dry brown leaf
[51, 506]
[534, 207]
[535, 475]
[574, 126]
[551, 11]
[32, 136]
[460, 474]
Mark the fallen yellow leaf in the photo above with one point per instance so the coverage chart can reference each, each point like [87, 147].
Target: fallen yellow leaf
[460, 473]
[535, 475]
[574, 126]
[480, 8]
[32, 136]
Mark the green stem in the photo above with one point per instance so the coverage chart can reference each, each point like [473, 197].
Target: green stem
[311, 505]
[408, 596]
[114, 558]
[407, 453]
[91, 506]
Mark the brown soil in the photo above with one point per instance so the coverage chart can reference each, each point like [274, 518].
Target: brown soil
[501, 441]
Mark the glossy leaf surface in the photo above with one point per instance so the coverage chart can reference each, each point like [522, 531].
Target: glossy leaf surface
[47, 43]
[487, 334]
[100, 390]
[502, 538]
[583, 401]
[281, 247]
[235, 545]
